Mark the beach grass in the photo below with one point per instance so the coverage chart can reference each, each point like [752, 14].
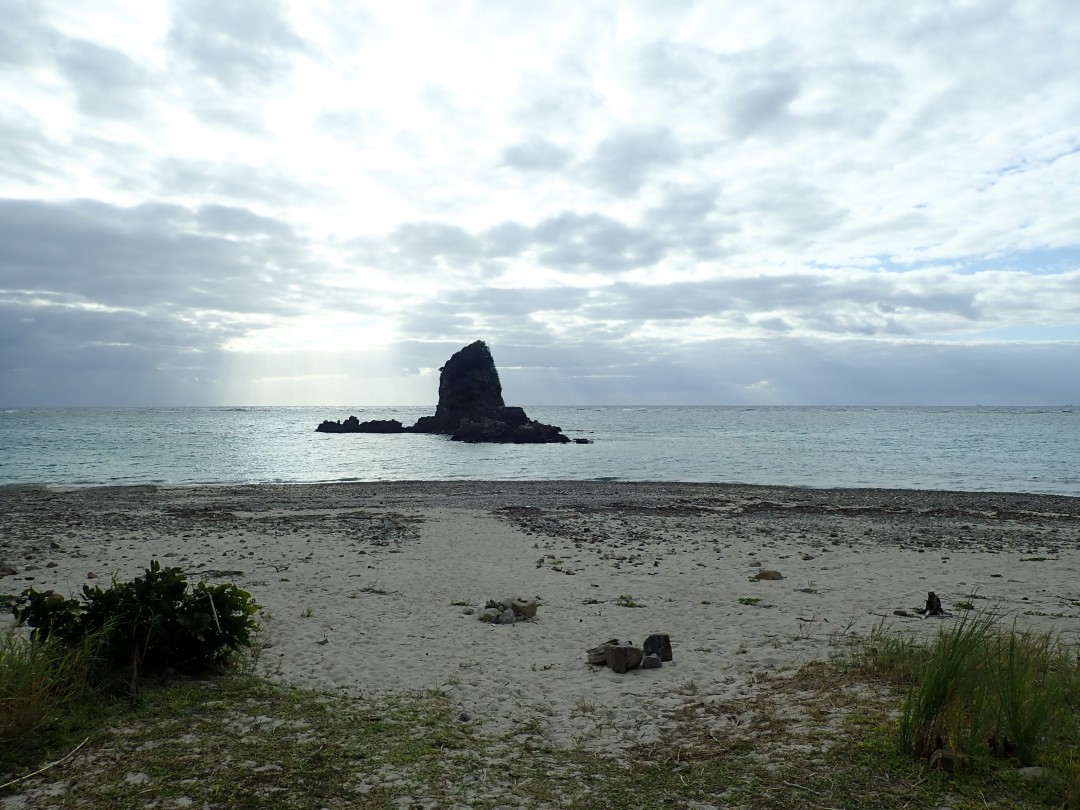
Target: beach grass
[44, 689]
[981, 692]
[829, 736]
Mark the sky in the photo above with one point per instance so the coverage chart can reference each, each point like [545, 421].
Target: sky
[303, 202]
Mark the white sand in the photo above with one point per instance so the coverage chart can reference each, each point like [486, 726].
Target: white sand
[358, 584]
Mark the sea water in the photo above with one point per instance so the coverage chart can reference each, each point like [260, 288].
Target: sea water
[973, 449]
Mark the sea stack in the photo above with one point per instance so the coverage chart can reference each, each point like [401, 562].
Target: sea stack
[470, 409]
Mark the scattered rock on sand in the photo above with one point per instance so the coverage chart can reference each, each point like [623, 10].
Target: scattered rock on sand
[526, 608]
[597, 656]
[768, 574]
[622, 656]
[7, 570]
[508, 610]
[658, 644]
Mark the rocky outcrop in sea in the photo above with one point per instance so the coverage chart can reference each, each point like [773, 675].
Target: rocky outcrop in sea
[470, 408]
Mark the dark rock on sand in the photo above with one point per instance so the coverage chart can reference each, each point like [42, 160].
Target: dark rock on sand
[768, 575]
[622, 657]
[651, 661]
[525, 608]
[658, 644]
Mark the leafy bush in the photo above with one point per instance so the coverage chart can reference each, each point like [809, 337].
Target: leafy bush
[149, 625]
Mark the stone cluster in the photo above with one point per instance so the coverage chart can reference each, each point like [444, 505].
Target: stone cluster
[508, 611]
[622, 656]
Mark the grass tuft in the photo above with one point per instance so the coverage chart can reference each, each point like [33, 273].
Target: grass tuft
[982, 692]
[41, 684]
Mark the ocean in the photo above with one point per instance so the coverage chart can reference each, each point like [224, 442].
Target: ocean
[1002, 449]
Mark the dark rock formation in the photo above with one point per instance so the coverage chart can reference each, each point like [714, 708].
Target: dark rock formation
[470, 409]
[469, 390]
[354, 425]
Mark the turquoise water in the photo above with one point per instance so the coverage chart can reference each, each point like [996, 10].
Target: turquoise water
[974, 449]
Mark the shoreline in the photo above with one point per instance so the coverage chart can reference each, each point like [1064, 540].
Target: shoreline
[365, 586]
[591, 488]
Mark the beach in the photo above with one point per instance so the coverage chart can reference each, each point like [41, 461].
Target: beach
[376, 587]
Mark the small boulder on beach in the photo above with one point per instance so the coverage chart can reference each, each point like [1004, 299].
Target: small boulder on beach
[768, 575]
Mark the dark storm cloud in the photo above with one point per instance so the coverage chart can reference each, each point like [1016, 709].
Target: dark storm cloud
[135, 257]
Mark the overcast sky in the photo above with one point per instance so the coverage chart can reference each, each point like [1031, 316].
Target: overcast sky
[677, 202]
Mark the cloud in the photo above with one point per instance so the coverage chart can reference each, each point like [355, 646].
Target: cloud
[25, 34]
[106, 82]
[594, 242]
[623, 162]
[778, 203]
[535, 155]
[244, 46]
[149, 254]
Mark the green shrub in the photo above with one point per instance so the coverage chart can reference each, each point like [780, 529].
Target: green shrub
[149, 625]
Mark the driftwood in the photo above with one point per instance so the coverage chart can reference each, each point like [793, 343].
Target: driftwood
[42, 770]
